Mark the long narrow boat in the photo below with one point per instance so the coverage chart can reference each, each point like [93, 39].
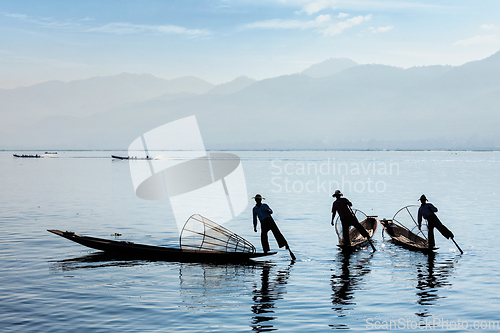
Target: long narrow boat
[131, 157]
[402, 236]
[26, 156]
[130, 250]
[357, 240]
[120, 157]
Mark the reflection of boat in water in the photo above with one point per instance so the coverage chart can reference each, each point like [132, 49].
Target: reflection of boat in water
[95, 260]
[347, 278]
[201, 240]
[357, 240]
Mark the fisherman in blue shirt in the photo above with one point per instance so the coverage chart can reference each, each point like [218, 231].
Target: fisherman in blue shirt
[263, 212]
[427, 211]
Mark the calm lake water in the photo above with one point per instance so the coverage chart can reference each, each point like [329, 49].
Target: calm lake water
[49, 284]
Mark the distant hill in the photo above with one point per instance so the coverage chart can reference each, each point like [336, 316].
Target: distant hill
[360, 107]
[329, 67]
[83, 98]
[237, 84]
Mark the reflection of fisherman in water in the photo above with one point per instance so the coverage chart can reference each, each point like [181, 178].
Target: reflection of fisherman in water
[430, 277]
[265, 298]
[427, 211]
[347, 281]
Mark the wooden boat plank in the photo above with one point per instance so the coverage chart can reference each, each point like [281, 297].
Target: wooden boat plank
[149, 252]
[404, 237]
[357, 240]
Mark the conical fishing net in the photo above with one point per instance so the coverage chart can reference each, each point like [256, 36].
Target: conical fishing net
[202, 234]
[407, 217]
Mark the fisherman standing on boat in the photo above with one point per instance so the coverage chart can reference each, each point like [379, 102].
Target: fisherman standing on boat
[427, 211]
[347, 217]
[263, 212]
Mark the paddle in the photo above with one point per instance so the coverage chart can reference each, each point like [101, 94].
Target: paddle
[291, 254]
[458, 247]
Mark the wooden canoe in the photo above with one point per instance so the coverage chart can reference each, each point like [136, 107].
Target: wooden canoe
[130, 250]
[120, 157]
[130, 158]
[26, 156]
[357, 240]
[402, 236]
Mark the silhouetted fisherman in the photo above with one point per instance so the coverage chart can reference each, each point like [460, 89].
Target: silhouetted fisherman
[347, 217]
[427, 211]
[263, 212]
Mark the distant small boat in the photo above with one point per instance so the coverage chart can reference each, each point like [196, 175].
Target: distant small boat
[120, 157]
[27, 156]
[130, 157]
[49, 154]
[356, 239]
[402, 236]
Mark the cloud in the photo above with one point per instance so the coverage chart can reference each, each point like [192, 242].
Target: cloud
[339, 27]
[481, 39]
[318, 5]
[342, 15]
[322, 24]
[118, 28]
[314, 6]
[43, 21]
[488, 26]
[128, 28]
[380, 29]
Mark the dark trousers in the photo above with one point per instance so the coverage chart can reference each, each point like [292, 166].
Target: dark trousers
[353, 221]
[434, 222]
[266, 225]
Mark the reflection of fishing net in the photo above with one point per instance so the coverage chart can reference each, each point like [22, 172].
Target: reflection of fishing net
[201, 234]
[406, 217]
[338, 224]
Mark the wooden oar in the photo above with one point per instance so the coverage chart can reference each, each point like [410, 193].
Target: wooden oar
[448, 234]
[458, 247]
[293, 256]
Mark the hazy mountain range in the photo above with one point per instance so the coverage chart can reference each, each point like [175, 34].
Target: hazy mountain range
[336, 104]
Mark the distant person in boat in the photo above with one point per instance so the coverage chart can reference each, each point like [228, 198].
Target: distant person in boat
[427, 211]
[348, 219]
[263, 212]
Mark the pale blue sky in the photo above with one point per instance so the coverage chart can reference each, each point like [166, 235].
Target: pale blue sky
[220, 40]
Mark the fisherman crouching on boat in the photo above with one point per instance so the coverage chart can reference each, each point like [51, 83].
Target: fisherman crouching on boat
[348, 219]
[263, 212]
[427, 211]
